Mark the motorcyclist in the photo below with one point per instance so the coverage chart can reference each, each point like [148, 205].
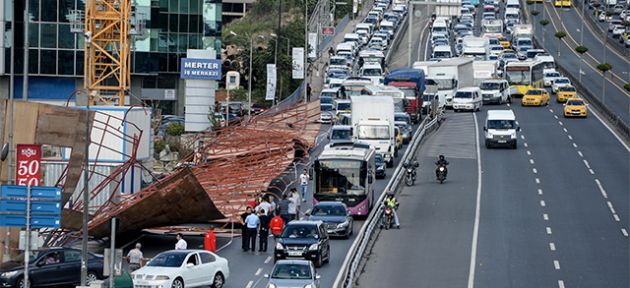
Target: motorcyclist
[441, 162]
[392, 203]
[331, 52]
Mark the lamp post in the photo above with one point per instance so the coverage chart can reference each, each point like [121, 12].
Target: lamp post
[277, 38]
[249, 80]
[305, 51]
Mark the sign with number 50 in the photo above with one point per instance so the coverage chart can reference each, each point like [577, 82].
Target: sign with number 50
[29, 159]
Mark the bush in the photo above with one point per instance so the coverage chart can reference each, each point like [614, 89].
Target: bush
[604, 67]
[175, 129]
[581, 49]
[530, 2]
[560, 34]
[544, 22]
[159, 145]
[627, 86]
[535, 12]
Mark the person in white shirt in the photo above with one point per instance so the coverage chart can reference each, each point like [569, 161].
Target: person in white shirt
[181, 243]
[134, 258]
[264, 205]
[294, 199]
[304, 178]
[251, 222]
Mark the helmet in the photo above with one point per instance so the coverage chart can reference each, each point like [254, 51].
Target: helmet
[441, 157]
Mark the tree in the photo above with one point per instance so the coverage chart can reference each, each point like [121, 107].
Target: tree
[175, 129]
[627, 86]
[559, 35]
[581, 49]
[544, 22]
[535, 12]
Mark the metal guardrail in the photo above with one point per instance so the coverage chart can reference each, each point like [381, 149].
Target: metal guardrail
[351, 264]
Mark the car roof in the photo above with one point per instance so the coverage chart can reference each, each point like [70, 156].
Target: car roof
[330, 203]
[305, 222]
[294, 261]
[501, 115]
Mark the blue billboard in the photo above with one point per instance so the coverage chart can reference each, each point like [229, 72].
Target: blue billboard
[200, 69]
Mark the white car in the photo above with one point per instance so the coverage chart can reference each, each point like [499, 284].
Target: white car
[618, 30]
[559, 82]
[549, 77]
[176, 268]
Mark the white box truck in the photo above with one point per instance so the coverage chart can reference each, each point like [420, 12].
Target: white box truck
[450, 75]
[373, 123]
[477, 47]
[523, 31]
[484, 70]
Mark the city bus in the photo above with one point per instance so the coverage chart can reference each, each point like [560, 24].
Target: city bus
[344, 172]
[523, 76]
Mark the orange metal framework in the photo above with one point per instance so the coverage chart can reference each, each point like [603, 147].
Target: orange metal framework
[107, 59]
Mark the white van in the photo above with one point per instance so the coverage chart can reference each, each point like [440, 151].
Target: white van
[440, 27]
[495, 91]
[500, 128]
[344, 47]
[388, 27]
[441, 52]
[372, 71]
[467, 98]
[514, 4]
[352, 37]
[367, 26]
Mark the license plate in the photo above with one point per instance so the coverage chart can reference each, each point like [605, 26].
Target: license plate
[295, 253]
[502, 141]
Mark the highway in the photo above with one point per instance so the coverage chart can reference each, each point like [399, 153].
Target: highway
[569, 20]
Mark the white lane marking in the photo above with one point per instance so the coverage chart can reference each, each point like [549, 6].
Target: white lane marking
[540, 192]
[570, 138]
[534, 170]
[601, 188]
[616, 217]
[258, 271]
[542, 203]
[537, 181]
[268, 260]
[473, 250]
[555, 116]
[548, 230]
[580, 153]
[591, 171]
[523, 137]
[586, 163]
[529, 152]
[546, 217]
[552, 246]
[560, 284]
[612, 131]
[508, 105]
[625, 233]
[565, 130]
[574, 145]
[525, 144]
[560, 122]
[516, 122]
[610, 207]
[556, 264]
[531, 161]
[250, 284]
[551, 110]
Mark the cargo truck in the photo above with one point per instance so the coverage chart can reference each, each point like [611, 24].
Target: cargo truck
[484, 70]
[412, 83]
[449, 75]
[477, 47]
[373, 124]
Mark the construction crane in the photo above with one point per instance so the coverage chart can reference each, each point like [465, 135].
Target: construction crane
[107, 51]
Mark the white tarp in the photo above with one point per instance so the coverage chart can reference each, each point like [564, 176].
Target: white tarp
[312, 45]
[451, 10]
[271, 82]
[298, 62]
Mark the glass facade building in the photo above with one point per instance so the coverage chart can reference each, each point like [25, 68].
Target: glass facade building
[172, 27]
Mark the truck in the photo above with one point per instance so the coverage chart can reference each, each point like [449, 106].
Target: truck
[449, 75]
[523, 31]
[483, 70]
[412, 82]
[477, 47]
[372, 120]
[491, 28]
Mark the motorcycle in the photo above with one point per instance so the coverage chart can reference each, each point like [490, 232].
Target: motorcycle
[388, 218]
[441, 173]
[410, 177]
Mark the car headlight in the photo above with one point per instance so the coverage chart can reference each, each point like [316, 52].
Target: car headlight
[9, 274]
[161, 277]
[343, 224]
[314, 246]
[271, 285]
[490, 134]
[309, 286]
[513, 136]
[279, 246]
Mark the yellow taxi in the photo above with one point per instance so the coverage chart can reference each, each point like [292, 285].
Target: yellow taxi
[575, 107]
[504, 42]
[564, 93]
[535, 97]
[562, 3]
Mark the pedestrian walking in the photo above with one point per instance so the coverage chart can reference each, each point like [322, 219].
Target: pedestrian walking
[309, 92]
[304, 178]
[244, 243]
[263, 231]
[251, 222]
[134, 258]
[331, 52]
[294, 199]
[181, 243]
[210, 241]
[284, 208]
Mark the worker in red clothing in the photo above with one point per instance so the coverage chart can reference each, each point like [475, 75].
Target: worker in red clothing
[276, 225]
[210, 241]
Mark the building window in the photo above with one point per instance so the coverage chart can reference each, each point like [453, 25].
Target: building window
[49, 10]
[49, 36]
[66, 38]
[48, 61]
[66, 62]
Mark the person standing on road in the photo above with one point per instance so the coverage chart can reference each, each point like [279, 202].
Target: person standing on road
[284, 208]
[134, 258]
[309, 92]
[181, 243]
[293, 204]
[251, 222]
[244, 243]
[304, 178]
[263, 231]
[263, 205]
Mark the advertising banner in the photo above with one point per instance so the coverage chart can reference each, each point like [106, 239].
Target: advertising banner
[298, 62]
[271, 82]
[200, 69]
[312, 45]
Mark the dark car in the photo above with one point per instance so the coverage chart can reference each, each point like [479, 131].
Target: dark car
[337, 220]
[51, 267]
[379, 162]
[304, 239]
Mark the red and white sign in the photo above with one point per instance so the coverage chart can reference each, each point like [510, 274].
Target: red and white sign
[328, 31]
[29, 159]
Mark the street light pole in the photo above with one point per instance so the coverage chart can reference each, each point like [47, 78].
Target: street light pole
[26, 44]
[410, 29]
[86, 178]
[581, 44]
[305, 50]
[249, 79]
[10, 174]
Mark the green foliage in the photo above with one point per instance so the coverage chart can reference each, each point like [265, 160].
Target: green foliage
[627, 86]
[604, 67]
[159, 145]
[560, 34]
[535, 12]
[581, 49]
[175, 129]
[530, 2]
[544, 22]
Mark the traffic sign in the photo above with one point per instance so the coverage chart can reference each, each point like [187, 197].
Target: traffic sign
[37, 207]
[29, 158]
[37, 192]
[19, 220]
[328, 31]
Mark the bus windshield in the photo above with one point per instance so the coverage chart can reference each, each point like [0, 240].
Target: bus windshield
[519, 77]
[373, 132]
[340, 176]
